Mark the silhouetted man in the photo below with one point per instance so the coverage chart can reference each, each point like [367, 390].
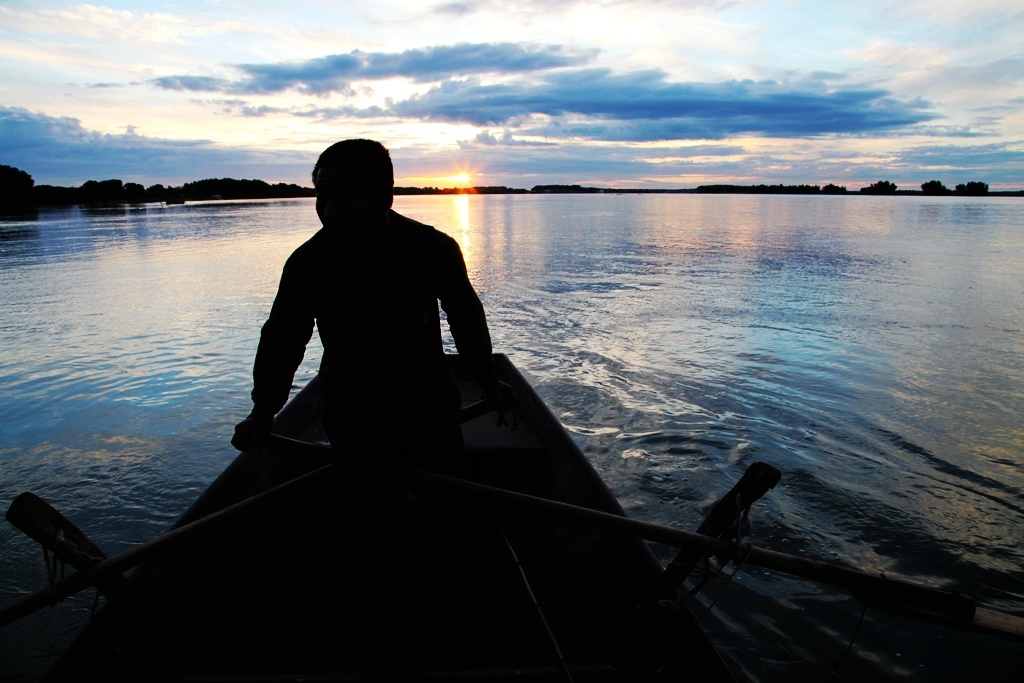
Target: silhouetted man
[371, 280]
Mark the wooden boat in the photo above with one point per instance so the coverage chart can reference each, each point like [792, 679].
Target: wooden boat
[360, 576]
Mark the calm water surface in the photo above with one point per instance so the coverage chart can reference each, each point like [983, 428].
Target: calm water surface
[869, 348]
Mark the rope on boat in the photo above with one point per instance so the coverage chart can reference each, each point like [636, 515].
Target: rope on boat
[842, 657]
[739, 563]
[743, 551]
[513, 425]
[741, 528]
[51, 578]
[540, 612]
[51, 575]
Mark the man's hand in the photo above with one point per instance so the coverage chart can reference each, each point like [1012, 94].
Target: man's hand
[504, 396]
[250, 431]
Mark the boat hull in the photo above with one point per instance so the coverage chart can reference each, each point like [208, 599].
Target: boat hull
[358, 578]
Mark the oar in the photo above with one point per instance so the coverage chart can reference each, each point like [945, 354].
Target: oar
[877, 591]
[880, 592]
[44, 524]
[112, 566]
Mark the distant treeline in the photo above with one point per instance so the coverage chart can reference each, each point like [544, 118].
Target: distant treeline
[18, 190]
[114, 191]
[932, 188]
[771, 189]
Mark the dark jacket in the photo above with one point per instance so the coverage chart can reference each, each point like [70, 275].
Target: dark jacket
[376, 311]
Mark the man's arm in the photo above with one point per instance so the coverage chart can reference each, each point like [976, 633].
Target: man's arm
[468, 324]
[282, 345]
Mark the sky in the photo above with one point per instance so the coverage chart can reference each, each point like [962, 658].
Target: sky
[607, 93]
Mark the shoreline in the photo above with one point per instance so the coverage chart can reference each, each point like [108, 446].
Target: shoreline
[428, 191]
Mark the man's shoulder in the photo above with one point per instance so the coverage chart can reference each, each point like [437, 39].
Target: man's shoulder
[413, 231]
[404, 224]
[310, 250]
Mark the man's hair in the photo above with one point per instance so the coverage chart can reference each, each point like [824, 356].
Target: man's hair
[368, 160]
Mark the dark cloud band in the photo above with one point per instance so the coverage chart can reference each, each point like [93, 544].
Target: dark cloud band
[596, 104]
[335, 73]
[573, 101]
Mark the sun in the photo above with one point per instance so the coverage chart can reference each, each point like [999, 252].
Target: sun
[462, 178]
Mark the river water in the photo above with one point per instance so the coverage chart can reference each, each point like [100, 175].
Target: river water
[870, 348]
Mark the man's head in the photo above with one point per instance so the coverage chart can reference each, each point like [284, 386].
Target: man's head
[354, 178]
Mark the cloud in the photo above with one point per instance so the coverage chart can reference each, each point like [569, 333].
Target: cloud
[458, 9]
[644, 105]
[561, 100]
[336, 73]
[446, 61]
[980, 158]
[315, 76]
[261, 110]
[60, 151]
[347, 112]
[997, 72]
[506, 140]
[193, 83]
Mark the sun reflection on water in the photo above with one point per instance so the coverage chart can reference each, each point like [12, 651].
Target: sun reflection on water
[461, 205]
